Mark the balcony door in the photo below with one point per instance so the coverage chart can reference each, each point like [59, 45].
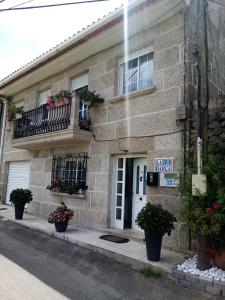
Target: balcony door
[43, 96]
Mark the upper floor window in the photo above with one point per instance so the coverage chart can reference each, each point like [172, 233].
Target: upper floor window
[137, 73]
[42, 97]
[78, 83]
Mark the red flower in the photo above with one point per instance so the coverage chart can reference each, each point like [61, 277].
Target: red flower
[217, 206]
[209, 210]
[211, 251]
[8, 118]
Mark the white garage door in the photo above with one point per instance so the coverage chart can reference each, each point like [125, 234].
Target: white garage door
[19, 177]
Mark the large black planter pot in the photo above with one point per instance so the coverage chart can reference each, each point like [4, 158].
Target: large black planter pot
[153, 245]
[61, 226]
[19, 209]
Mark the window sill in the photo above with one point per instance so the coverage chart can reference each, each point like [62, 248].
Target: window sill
[132, 95]
[65, 195]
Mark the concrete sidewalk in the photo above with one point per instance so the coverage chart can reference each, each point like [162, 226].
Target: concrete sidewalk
[132, 253]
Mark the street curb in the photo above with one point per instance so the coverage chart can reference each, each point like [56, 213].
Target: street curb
[131, 262]
[212, 287]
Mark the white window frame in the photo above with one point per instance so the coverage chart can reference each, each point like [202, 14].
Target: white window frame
[48, 93]
[135, 55]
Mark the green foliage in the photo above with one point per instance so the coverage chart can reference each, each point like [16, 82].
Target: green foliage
[21, 196]
[62, 94]
[206, 214]
[13, 111]
[90, 98]
[150, 273]
[153, 218]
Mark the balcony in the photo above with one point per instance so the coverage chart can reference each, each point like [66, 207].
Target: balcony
[47, 126]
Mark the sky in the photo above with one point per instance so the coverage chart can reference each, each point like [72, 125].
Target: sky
[26, 34]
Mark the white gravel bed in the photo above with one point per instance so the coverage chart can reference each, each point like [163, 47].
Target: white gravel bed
[190, 266]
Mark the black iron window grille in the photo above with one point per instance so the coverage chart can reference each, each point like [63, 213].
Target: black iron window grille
[69, 173]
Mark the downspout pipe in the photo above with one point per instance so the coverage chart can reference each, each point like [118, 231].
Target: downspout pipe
[2, 124]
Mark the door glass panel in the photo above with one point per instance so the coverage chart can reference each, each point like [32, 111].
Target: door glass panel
[120, 163]
[118, 214]
[144, 180]
[137, 179]
[120, 176]
[119, 200]
[119, 188]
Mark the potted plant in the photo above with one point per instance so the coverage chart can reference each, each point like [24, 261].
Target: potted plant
[61, 98]
[12, 112]
[60, 217]
[56, 186]
[155, 221]
[19, 197]
[90, 98]
[50, 102]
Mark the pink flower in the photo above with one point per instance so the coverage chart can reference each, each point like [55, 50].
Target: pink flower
[217, 206]
[209, 210]
[8, 118]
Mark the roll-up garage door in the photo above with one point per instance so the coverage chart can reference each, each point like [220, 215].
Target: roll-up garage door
[19, 177]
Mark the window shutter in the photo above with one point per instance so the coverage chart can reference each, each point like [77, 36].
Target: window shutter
[80, 81]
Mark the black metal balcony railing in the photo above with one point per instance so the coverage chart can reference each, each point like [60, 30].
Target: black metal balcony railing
[42, 120]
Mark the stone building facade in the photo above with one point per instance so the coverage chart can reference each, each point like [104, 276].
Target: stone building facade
[128, 131]
[215, 51]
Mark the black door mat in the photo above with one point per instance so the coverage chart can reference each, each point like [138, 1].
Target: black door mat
[114, 238]
[3, 208]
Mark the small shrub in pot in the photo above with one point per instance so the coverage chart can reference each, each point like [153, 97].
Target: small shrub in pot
[19, 197]
[155, 221]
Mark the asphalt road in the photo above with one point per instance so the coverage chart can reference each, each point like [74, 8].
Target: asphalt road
[36, 266]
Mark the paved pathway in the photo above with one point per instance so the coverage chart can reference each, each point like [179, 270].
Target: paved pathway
[34, 266]
[133, 252]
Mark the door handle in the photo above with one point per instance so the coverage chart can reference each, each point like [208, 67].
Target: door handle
[140, 198]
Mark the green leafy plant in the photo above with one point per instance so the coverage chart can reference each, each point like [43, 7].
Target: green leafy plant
[205, 215]
[21, 196]
[66, 187]
[61, 214]
[150, 273]
[55, 186]
[13, 111]
[90, 98]
[62, 94]
[154, 219]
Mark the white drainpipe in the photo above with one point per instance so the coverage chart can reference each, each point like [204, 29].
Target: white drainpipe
[3, 129]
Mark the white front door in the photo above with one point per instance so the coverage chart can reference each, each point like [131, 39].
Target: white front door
[120, 193]
[139, 188]
[18, 177]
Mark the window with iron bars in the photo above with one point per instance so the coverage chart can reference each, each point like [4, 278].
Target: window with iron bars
[69, 173]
